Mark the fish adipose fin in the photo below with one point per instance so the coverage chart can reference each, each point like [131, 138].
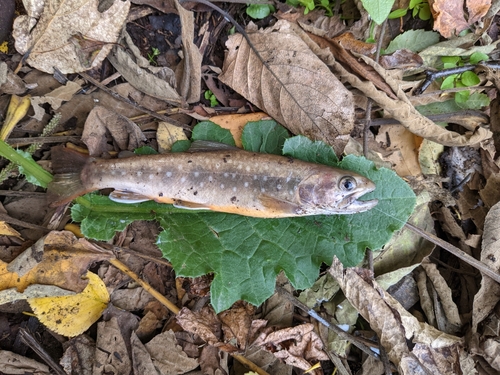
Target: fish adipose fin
[67, 166]
[279, 207]
[123, 196]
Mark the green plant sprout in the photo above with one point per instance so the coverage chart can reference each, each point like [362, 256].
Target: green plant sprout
[209, 95]
[259, 11]
[419, 8]
[464, 98]
[153, 55]
[312, 4]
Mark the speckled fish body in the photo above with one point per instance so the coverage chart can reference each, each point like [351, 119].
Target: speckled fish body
[232, 181]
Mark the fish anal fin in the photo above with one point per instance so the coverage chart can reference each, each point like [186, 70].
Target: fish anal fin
[123, 196]
[279, 207]
[190, 205]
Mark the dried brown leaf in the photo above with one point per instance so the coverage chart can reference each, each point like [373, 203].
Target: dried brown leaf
[449, 17]
[489, 293]
[437, 351]
[57, 33]
[299, 91]
[477, 9]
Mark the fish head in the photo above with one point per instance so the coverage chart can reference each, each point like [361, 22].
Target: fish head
[335, 192]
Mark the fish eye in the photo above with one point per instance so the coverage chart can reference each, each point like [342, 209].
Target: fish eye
[347, 184]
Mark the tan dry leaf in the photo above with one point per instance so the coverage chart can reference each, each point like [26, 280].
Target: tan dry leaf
[101, 122]
[449, 19]
[489, 293]
[299, 92]
[60, 37]
[477, 9]
[167, 134]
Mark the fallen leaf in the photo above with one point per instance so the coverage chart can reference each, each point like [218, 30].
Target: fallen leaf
[489, 294]
[236, 122]
[74, 314]
[12, 363]
[48, 33]
[111, 349]
[101, 122]
[297, 90]
[477, 9]
[7, 230]
[167, 134]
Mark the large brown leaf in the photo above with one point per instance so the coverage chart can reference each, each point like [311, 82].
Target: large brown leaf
[296, 88]
[71, 35]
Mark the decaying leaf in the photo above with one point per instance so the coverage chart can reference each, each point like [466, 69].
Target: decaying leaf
[297, 90]
[101, 122]
[489, 293]
[167, 134]
[71, 35]
[397, 328]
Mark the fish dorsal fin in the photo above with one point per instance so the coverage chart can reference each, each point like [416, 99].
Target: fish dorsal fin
[123, 196]
[279, 206]
[204, 146]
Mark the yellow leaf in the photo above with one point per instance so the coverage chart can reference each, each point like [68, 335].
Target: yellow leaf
[73, 315]
[7, 230]
[18, 107]
[167, 134]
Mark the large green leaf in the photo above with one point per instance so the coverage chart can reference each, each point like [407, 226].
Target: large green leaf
[245, 254]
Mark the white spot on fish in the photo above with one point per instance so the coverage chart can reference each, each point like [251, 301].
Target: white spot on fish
[151, 176]
[179, 167]
[247, 168]
[234, 189]
[255, 177]
[245, 184]
[233, 175]
[217, 165]
[169, 174]
[240, 166]
[196, 174]
[183, 179]
[263, 190]
[266, 167]
[202, 184]
[113, 173]
[123, 173]
[290, 192]
[264, 178]
[278, 186]
[139, 173]
[295, 187]
[226, 174]
[210, 178]
[222, 186]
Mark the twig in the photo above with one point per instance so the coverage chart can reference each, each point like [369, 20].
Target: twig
[457, 252]
[28, 340]
[23, 224]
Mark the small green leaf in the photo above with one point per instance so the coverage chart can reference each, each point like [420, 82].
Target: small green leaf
[181, 146]
[259, 11]
[294, 3]
[315, 152]
[209, 131]
[449, 82]
[398, 13]
[469, 78]
[477, 57]
[145, 150]
[378, 9]
[414, 40]
[424, 12]
[414, 3]
[462, 96]
[451, 60]
[266, 136]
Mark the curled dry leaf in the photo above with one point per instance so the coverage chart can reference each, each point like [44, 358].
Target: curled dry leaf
[71, 35]
[397, 328]
[489, 293]
[295, 88]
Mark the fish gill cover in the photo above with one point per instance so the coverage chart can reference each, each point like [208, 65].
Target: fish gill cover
[245, 254]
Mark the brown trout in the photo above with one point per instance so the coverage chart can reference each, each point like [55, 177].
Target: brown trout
[227, 180]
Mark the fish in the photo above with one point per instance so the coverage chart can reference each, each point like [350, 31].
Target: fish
[226, 180]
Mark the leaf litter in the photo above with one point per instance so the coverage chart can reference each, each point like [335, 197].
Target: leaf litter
[444, 292]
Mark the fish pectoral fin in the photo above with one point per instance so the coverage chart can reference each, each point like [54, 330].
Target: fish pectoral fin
[190, 205]
[204, 146]
[280, 207]
[123, 196]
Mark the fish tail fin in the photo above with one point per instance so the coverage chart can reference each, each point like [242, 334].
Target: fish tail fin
[67, 184]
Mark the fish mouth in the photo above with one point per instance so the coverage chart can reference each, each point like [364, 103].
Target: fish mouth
[351, 204]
